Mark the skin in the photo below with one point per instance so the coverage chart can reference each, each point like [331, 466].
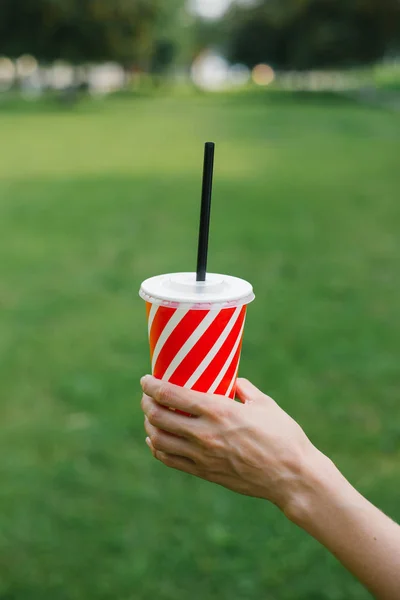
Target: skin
[256, 449]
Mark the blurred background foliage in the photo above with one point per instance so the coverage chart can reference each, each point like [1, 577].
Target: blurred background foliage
[304, 34]
[151, 34]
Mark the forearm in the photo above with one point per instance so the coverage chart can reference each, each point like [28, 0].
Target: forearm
[256, 449]
[365, 541]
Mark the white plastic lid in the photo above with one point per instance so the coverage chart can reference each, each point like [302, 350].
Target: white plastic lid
[183, 291]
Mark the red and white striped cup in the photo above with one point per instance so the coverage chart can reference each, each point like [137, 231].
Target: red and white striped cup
[196, 329]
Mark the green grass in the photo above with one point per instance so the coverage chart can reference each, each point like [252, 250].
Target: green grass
[93, 200]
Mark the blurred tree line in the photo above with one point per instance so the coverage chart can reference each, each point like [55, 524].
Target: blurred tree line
[152, 34]
[137, 33]
[303, 34]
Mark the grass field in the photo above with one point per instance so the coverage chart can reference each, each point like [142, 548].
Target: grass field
[94, 199]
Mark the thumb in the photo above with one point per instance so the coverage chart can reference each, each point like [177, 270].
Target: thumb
[247, 392]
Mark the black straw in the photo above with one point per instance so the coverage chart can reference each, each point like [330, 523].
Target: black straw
[205, 214]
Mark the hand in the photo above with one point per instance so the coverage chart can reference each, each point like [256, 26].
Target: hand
[256, 449]
[253, 448]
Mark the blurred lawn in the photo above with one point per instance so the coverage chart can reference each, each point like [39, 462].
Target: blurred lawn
[96, 198]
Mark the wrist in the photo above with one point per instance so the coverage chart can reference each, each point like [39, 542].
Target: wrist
[315, 486]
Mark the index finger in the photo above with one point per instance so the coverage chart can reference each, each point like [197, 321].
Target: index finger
[173, 396]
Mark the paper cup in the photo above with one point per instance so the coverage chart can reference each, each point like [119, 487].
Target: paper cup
[196, 329]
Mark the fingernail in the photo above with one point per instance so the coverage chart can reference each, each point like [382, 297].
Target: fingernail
[148, 442]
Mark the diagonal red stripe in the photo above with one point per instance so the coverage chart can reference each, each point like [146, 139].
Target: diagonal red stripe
[161, 318]
[230, 374]
[200, 350]
[148, 309]
[206, 380]
[178, 337]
